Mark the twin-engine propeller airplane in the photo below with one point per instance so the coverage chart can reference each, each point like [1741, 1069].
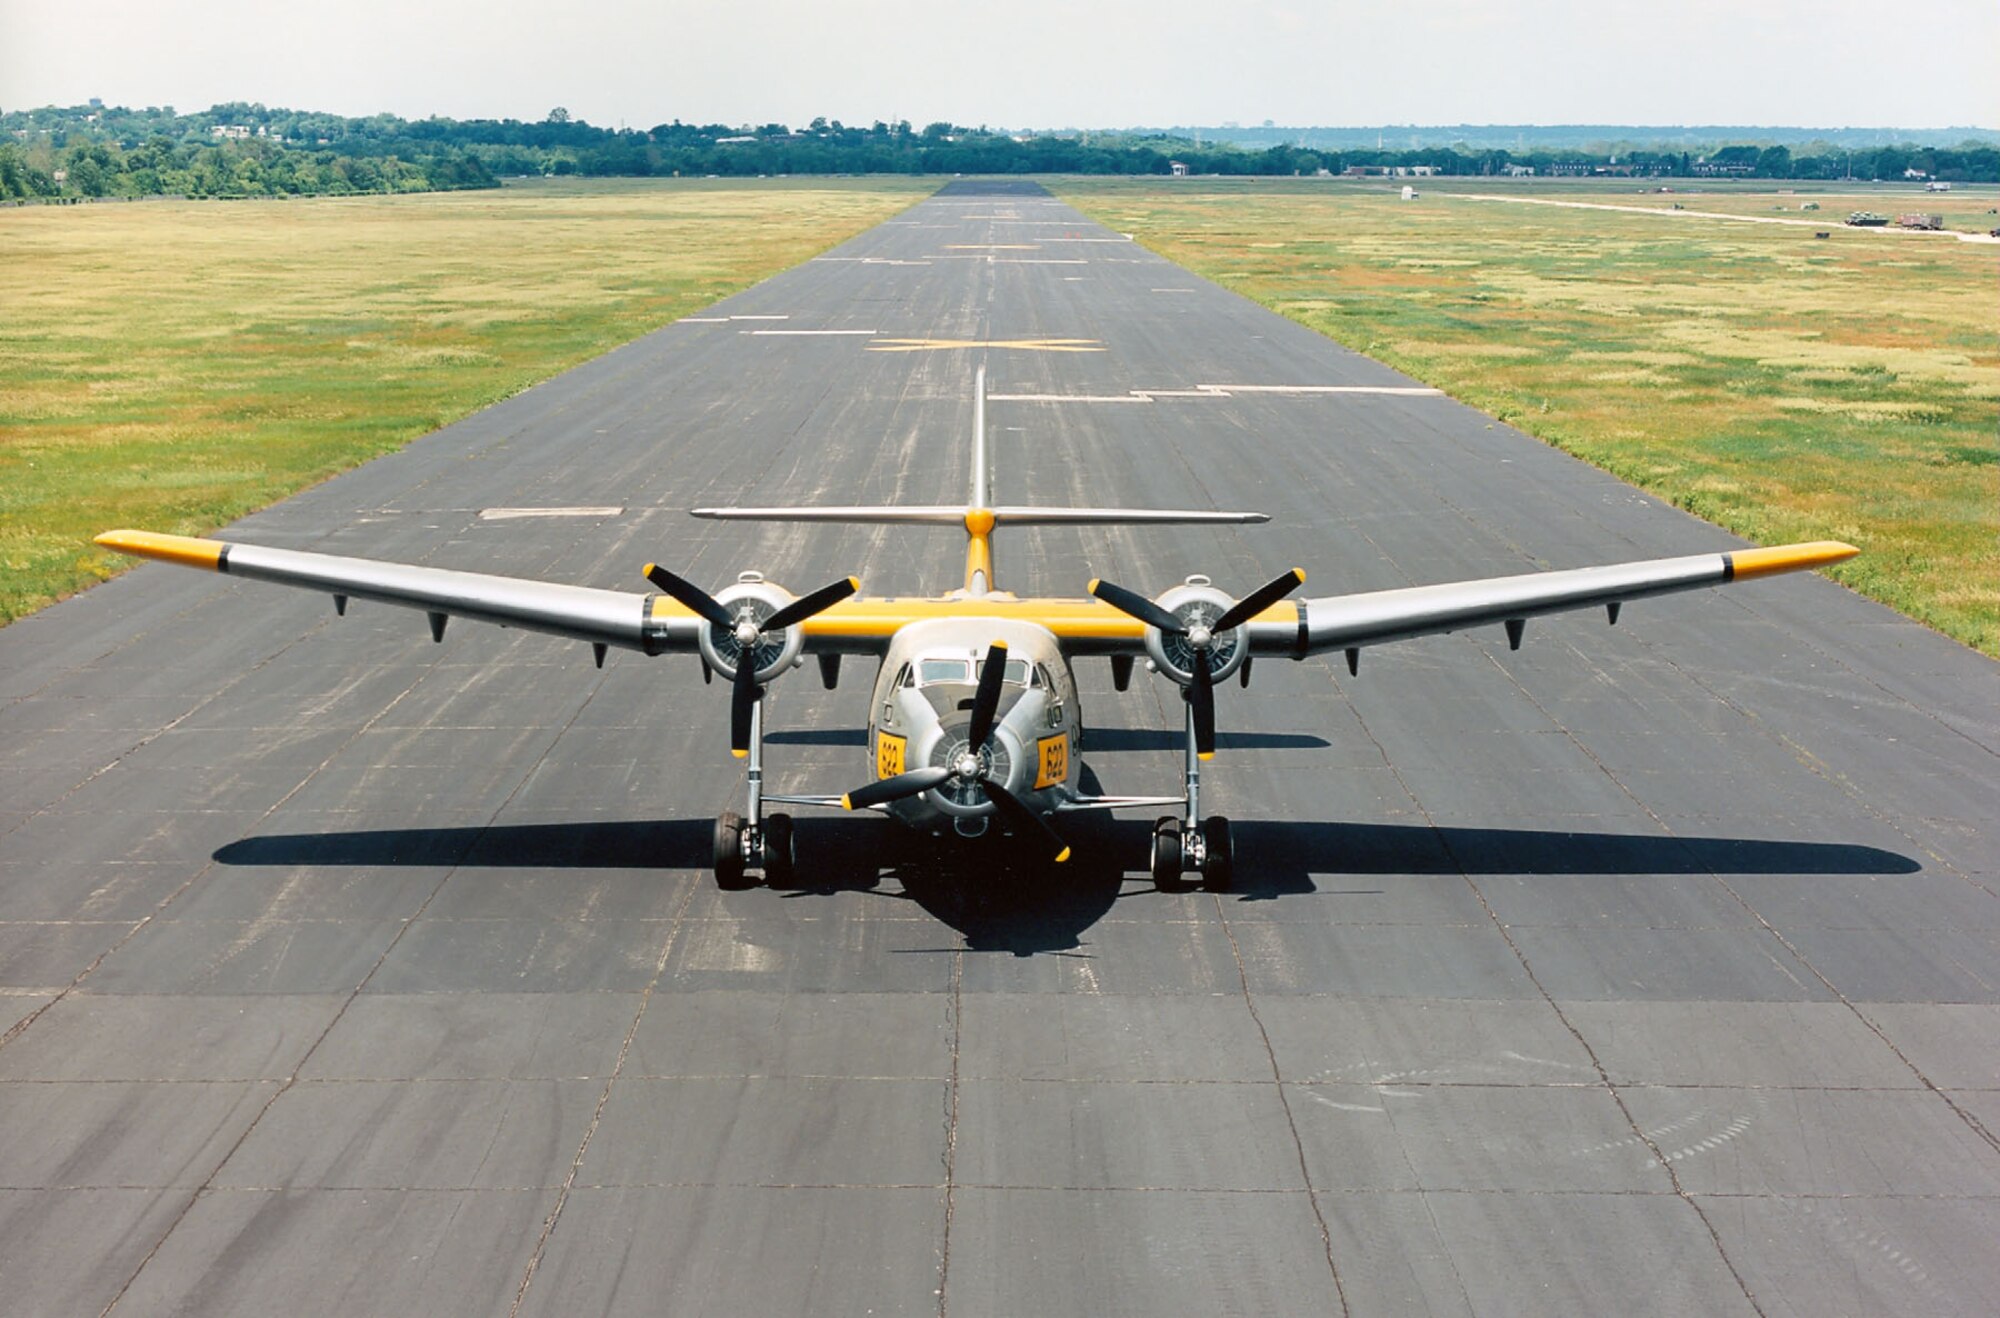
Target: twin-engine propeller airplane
[974, 714]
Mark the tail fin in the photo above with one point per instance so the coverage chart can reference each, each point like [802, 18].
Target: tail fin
[979, 516]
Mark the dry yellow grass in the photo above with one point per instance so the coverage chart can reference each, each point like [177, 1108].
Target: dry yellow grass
[1783, 386]
[176, 364]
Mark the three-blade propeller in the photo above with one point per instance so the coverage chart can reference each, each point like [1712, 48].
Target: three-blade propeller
[1200, 638]
[970, 766]
[748, 633]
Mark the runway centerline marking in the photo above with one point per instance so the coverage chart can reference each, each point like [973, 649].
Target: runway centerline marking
[786, 317]
[803, 333]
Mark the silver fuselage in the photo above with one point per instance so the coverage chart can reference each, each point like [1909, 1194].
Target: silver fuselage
[921, 709]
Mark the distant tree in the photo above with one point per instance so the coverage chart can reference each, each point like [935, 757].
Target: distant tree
[559, 115]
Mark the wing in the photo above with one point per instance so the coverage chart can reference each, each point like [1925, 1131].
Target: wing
[628, 619]
[1349, 622]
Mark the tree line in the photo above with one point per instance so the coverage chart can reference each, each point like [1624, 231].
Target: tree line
[248, 150]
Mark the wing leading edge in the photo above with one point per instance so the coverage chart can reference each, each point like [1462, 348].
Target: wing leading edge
[1349, 622]
[627, 619]
[657, 624]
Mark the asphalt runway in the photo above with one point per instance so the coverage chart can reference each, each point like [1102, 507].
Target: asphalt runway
[1648, 969]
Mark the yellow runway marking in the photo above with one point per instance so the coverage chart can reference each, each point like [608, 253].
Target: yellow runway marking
[1025, 345]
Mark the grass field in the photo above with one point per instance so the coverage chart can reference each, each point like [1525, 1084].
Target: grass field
[1780, 385]
[173, 365]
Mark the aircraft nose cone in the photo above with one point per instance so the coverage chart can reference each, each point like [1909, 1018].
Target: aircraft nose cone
[966, 766]
[1200, 637]
[746, 634]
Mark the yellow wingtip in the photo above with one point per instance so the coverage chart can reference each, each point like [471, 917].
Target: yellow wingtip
[186, 550]
[1753, 563]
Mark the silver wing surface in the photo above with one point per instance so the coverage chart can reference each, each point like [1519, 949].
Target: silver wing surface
[1351, 622]
[628, 619]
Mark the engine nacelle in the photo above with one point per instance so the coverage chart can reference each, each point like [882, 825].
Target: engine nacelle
[752, 599]
[1197, 604]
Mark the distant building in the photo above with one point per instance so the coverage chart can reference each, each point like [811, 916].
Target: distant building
[1914, 174]
[236, 132]
[1937, 185]
[1520, 171]
[1179, 168]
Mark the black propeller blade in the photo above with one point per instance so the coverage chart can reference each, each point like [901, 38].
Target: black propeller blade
[1137, 605]
[1024, 820]
[1200, 691]
[895, 789]
[985, 705]
[805, 606]
[986, 702]
[691, 595]
[1260, 599]
[745, 690]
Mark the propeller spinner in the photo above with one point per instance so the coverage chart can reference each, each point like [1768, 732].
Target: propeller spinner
[1198, 637]
[972, 767]
[748, 630]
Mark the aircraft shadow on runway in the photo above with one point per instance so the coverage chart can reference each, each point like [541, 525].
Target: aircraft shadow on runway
[1001, 901]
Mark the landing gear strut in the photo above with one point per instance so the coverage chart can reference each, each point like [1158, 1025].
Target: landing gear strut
[1193, 845]
[758, 842]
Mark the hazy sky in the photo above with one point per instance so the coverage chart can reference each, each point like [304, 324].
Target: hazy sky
[1029, 63]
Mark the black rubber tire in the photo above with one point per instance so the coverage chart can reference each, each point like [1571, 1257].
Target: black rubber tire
[1218, 870]
[780, 852]
[728, 852]
[1166, 859]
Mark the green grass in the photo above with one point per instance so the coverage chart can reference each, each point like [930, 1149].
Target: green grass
[1782, 386]
[174, 365]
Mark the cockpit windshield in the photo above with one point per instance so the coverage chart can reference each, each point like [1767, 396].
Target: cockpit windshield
[961, 670]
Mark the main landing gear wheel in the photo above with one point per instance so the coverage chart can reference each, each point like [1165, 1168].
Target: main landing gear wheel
[1218, 867]
[780, 855]
[729, 860]
[1167, 855]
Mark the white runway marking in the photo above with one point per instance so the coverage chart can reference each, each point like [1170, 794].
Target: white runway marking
[509, 514]
[802, 333]
[702, 320]
[760, 317]
[1222, 391]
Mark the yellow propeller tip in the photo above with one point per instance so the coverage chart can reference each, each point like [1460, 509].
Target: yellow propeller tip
[741, 755]
[647, 570]
[1300, 573]
[855, 582]
[1095, 582]
[846, 803]
[1062, 856]
[1205, 755]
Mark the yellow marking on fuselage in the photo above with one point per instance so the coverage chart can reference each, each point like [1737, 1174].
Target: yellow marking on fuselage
[979, 549]
[1052, 764]
[1026, 345]
[1789, 558]
[889, 751]
[666, 606]
[186, 550]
